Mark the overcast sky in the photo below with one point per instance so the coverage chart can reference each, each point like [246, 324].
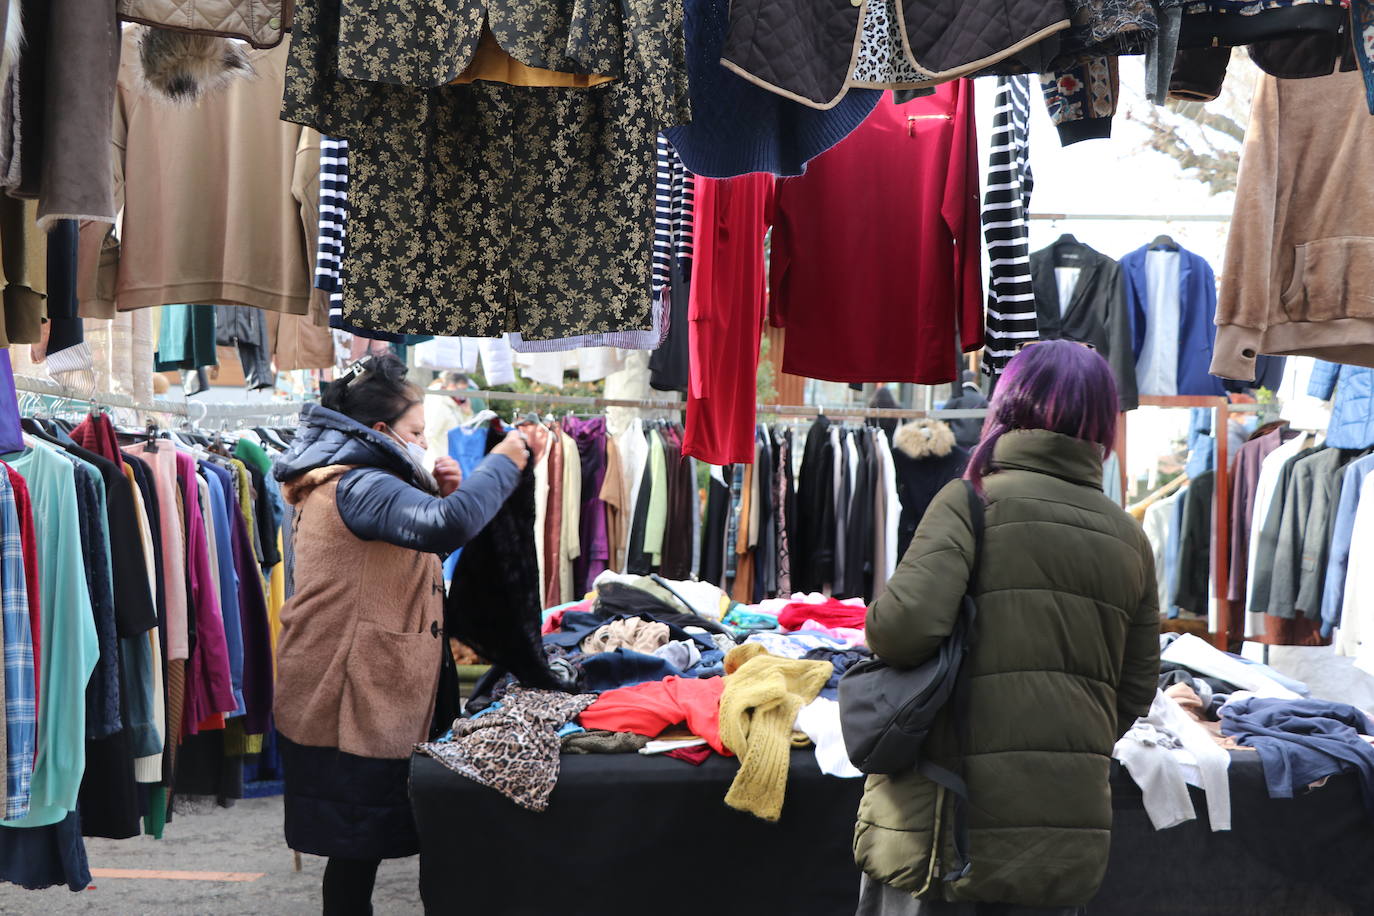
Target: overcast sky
[1118, 175]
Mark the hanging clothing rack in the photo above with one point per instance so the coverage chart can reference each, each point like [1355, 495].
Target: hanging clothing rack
[779, 410]
[209, 410]
[222, 411]
[1221, 507]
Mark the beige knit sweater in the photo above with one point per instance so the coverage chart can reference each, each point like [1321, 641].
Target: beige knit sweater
[1299, 273]
[218, 199]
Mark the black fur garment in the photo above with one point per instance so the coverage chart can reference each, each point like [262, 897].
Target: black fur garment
[183, 68]
[494, 603]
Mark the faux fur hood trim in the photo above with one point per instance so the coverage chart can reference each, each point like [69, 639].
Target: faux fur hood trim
[924, 439]
[182, 67]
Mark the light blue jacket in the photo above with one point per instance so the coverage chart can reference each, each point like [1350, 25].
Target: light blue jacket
[1352, 416]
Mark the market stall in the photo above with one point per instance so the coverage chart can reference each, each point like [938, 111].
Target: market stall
[626, 831]
[292, 292]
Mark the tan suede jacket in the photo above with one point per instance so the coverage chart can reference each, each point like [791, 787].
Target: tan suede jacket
[1299, 273]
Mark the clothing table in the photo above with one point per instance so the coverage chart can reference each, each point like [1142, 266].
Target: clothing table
[1282, 857]
[627, 834]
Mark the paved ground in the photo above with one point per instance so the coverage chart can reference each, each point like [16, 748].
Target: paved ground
[246, 838]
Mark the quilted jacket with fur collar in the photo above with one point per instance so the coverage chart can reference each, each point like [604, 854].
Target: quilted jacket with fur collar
[807, 51]
[261, 23]
[926, 458]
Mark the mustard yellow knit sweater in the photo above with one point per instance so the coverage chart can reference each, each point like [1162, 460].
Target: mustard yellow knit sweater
[763, 694]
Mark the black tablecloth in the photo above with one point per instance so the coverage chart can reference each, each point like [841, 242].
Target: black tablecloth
[626, 834]
[1308, 855]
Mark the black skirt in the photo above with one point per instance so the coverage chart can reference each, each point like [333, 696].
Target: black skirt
[340, 804]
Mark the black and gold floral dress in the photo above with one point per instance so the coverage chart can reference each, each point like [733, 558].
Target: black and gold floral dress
[480, 208]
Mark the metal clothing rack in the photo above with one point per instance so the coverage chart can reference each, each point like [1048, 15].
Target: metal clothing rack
[1221, 516]
[193, 411]
[777, 410]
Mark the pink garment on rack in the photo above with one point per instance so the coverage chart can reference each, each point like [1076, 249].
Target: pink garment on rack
[162, 460]
[209, 689]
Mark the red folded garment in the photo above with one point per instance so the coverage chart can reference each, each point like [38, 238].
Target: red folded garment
[554, 622]
[832, 613]
[696, 756]
[647, 709]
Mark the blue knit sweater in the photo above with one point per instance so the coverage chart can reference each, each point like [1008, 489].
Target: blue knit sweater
[738, 127]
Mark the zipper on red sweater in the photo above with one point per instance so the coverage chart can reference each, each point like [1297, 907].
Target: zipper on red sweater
[912, 119]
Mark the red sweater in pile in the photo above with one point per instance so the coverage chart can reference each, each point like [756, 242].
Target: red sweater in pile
[648, 709]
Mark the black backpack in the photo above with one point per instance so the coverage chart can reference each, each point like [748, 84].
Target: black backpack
[886, 712]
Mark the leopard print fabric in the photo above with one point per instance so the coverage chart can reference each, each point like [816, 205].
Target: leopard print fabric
[883, 63]
[513, 749]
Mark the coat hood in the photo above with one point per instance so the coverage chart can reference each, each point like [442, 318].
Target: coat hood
[326, 438]
[924, 439]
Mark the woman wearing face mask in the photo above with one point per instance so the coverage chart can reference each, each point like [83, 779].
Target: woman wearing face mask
[361, 639]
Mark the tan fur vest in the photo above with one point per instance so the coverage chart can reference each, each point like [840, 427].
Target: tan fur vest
[361, 639]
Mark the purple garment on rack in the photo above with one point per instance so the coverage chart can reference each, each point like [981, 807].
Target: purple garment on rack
[590, 436]
[11, 436]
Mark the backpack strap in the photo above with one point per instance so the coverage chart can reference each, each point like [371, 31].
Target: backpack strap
[977, 521]
[954, 781]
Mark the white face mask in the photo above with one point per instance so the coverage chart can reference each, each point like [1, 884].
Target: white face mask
[412, 449]
[416, 454]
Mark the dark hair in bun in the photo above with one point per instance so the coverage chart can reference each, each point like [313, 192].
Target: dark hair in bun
[375, 391]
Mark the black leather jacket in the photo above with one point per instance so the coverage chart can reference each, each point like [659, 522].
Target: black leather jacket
[380, 499]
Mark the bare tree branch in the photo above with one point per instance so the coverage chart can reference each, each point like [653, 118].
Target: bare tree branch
[1205, 138]
[1198, 113]
[1217, 170]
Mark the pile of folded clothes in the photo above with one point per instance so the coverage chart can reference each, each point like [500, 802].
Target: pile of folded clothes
[1212, 704]
[675, 669]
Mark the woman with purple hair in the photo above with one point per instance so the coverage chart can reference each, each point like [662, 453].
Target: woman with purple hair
[1065, 656]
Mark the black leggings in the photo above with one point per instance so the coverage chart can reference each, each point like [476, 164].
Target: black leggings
[348, 886]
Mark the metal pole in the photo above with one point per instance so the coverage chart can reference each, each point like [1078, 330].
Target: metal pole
[787, 410]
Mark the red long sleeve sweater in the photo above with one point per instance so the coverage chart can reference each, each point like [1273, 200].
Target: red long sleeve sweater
[876, 254]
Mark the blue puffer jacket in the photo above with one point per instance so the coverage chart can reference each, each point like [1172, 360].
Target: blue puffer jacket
[1352, 416]
[381, 498]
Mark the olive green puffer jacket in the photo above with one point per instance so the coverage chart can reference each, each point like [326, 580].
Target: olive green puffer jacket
[1067, 656]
